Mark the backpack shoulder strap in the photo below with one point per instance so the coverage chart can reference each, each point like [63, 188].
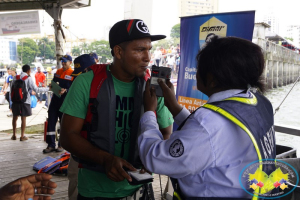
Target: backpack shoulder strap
[99, 77]
[24, 78]
[17, 77]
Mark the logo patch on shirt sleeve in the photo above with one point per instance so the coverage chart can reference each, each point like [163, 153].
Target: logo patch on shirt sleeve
[176, 148]
[67, 77]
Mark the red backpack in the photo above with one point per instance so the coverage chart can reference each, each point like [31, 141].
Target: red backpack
[18, 90]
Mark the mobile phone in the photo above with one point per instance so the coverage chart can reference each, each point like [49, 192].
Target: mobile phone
[162, 73]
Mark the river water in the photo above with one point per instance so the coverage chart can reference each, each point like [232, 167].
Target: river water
[288, 114]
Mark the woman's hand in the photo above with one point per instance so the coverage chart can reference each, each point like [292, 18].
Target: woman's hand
[150, 99]
[169, 97]
[29, 187]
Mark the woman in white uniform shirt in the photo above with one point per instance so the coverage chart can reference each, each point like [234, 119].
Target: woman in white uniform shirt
[209, 151]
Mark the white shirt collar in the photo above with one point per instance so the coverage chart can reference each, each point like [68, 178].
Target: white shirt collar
[228, 93]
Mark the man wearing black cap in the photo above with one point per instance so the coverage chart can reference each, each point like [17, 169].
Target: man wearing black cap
[104, 106]
[64, 79]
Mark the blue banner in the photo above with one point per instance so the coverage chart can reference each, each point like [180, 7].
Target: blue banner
[193, 32]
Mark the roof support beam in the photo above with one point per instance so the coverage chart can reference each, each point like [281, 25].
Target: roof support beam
[21, 6]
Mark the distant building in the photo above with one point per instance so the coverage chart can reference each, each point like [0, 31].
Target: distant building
[272, 19]
[139, 9]
[8, 50]
[197, 7]
[293, 31]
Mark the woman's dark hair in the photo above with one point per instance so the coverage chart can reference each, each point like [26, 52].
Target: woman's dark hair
[234, 62]
[25, 68]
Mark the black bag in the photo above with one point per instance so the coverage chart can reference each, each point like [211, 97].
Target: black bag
[18, 91]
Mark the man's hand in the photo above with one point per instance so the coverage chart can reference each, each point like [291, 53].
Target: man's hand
[24, 188]
[33, 92]
[114, 168]
[150, 99]
[144, 170]
[169, 97]
[62, 91]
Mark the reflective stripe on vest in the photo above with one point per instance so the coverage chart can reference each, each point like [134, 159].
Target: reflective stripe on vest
[242, 126]
[237, 122]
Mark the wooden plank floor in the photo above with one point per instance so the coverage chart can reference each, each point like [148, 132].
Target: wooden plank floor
[17, 159]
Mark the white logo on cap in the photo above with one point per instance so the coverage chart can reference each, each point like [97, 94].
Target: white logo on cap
[141, 26]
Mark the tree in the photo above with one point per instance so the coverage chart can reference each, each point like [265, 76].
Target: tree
[175, 31]
[84, 47]
[27, 50]
[288, 38]
[102, 49]
[76, 51]
[46, 48]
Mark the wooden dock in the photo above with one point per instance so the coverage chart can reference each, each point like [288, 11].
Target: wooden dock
[17, 159]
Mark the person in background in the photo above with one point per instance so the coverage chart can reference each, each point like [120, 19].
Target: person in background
[49, 77]
[40, 79]
[95, 56]
[29, 188]
[157, 56]
[177, 64]
[81, 64]
[64, 79]
[6, 89]
[206, 154]
[54, 69]
[164, 56]
[13, 71]
[178, 49]
[23, 109]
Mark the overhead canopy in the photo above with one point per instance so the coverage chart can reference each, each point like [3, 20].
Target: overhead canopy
[274, 37]
[21, 5]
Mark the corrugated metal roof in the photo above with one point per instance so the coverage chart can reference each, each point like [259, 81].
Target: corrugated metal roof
[18, 5]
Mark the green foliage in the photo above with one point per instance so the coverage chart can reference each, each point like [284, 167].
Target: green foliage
[27, 50]
[76, 51]
[102, 49]
[175, 31]
[84, 48]
[288, 38]
[46, 48]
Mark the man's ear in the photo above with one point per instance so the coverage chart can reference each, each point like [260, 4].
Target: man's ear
[118, 51]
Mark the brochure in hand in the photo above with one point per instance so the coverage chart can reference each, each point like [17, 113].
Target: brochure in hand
[55, 88]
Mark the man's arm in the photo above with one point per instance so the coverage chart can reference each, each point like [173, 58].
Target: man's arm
[32, 86]
[73, 142]
[166, 132]
[4, 87]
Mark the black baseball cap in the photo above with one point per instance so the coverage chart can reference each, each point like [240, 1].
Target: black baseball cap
[130, 29]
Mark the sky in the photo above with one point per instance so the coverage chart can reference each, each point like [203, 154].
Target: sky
[92, 22]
